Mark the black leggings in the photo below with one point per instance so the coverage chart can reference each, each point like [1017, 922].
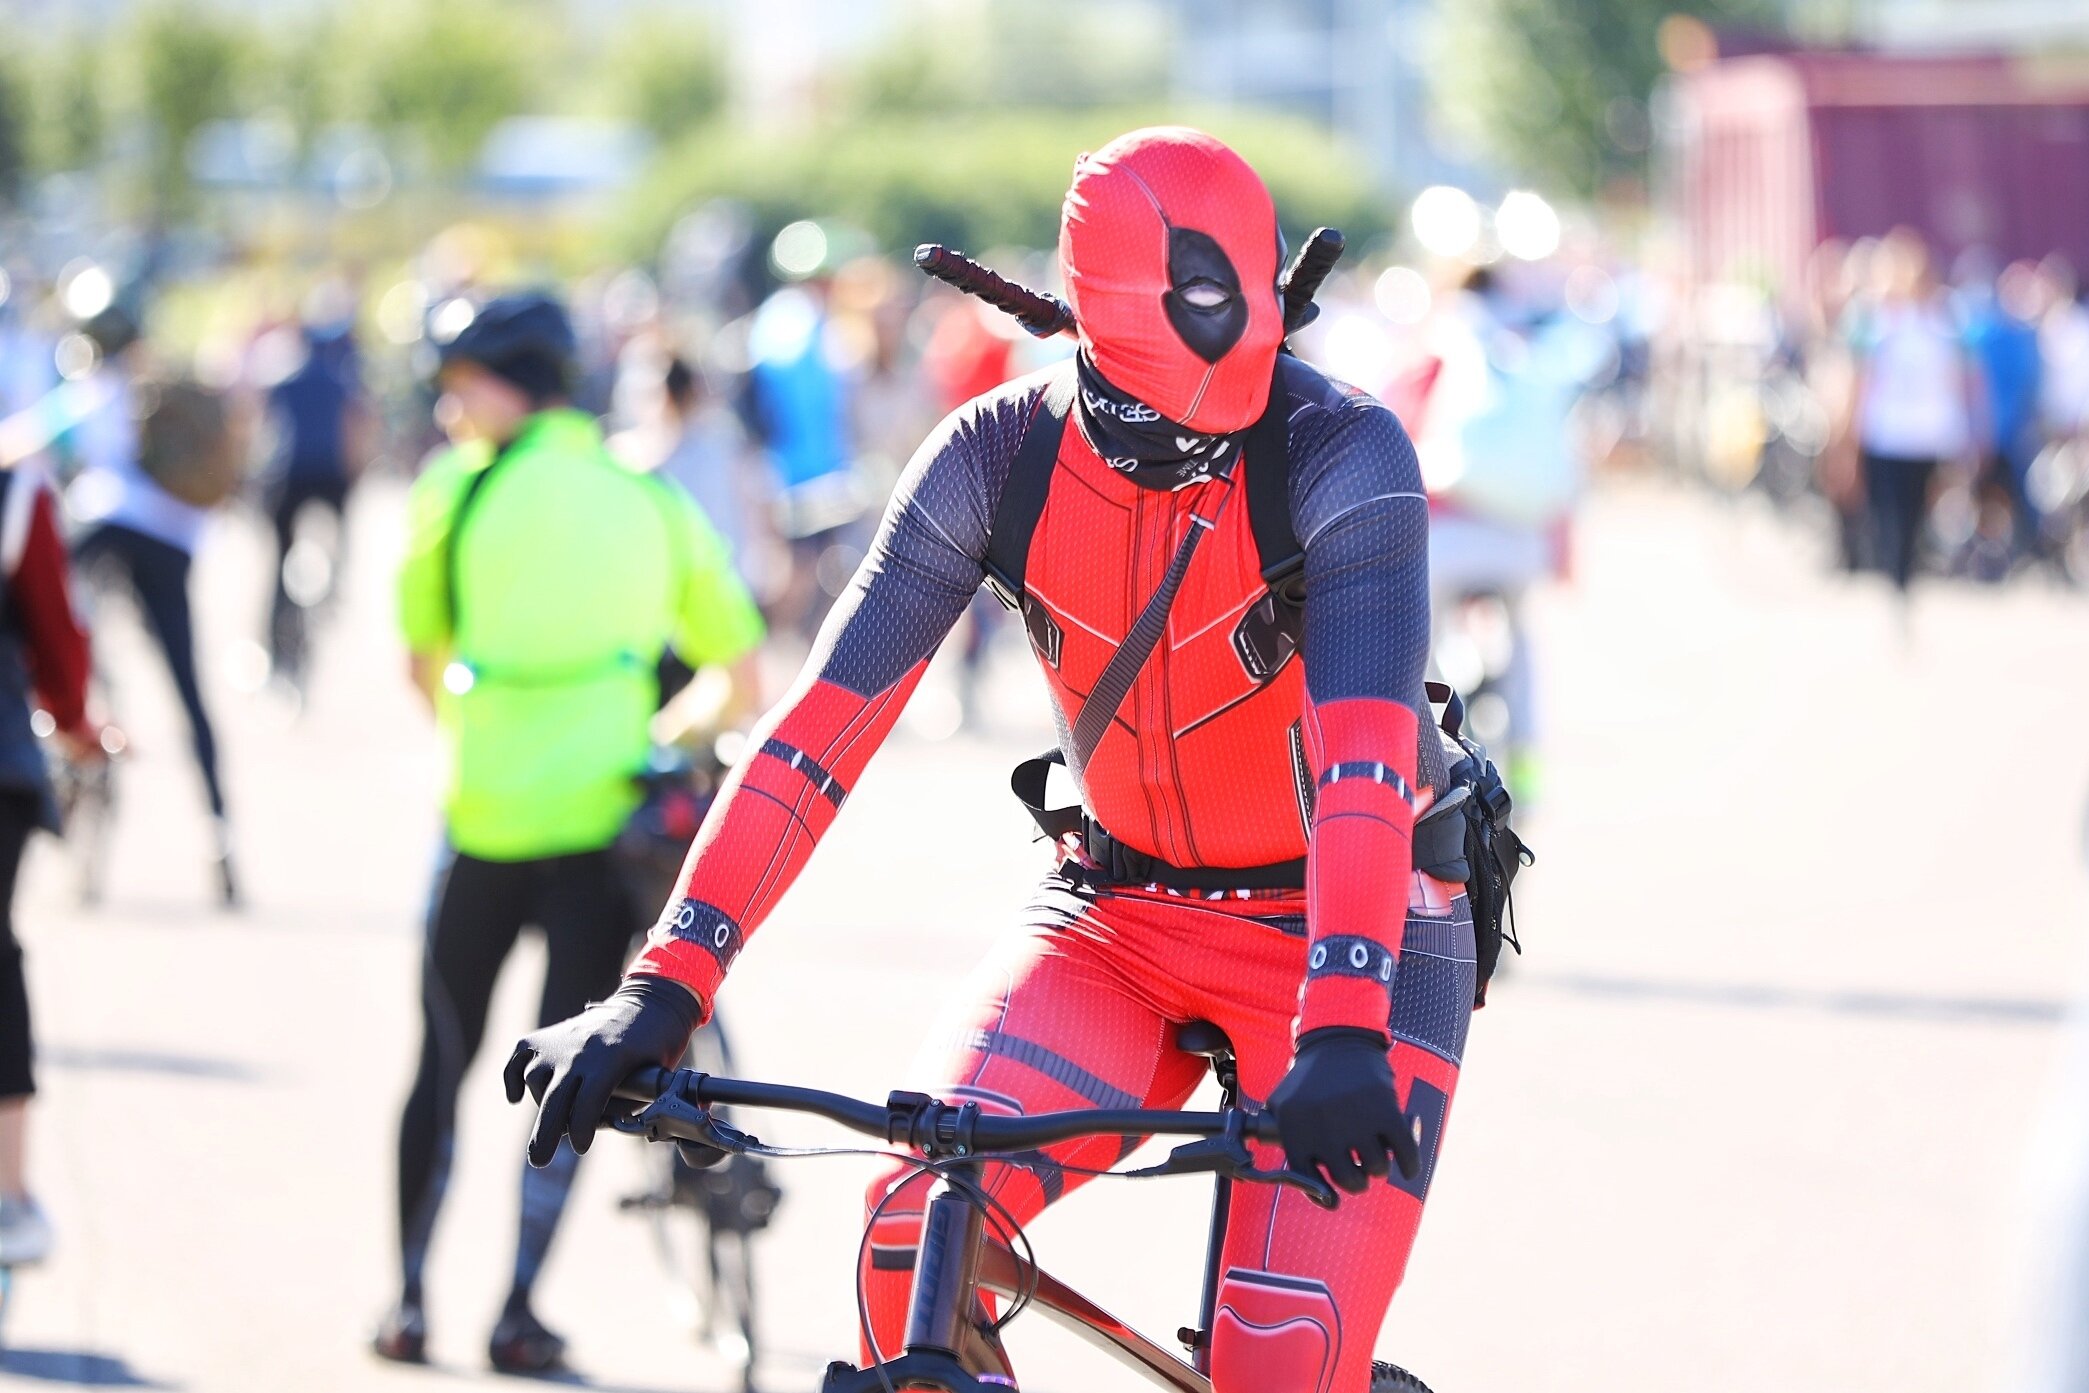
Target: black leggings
[1896, 495]
[20, 812]
[158, 573]
[480, 908]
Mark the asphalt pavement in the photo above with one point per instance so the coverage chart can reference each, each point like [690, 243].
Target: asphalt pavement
[1754, 1112]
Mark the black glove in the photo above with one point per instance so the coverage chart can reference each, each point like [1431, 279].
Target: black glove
[573, 1068]
[1337, 1107]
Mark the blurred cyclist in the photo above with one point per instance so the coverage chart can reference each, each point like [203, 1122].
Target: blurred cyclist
[1250, 784]
[541, 583]
[322, 423]
[44, 657]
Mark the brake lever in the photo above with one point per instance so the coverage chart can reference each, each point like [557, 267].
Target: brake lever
[676, 1118]
[1227, 1155]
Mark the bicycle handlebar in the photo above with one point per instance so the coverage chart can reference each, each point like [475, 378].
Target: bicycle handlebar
[933, 1126]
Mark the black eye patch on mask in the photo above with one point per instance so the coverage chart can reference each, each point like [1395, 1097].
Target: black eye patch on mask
[1203, 302]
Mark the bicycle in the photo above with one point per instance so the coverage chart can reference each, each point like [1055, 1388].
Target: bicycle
[946, 1350]
[703, 1222]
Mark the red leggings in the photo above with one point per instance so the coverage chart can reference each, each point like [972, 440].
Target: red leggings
[1080, 1011]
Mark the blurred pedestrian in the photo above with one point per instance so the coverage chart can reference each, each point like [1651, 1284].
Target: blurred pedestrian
[1916, 407]
[799, 406]
[322, 429]
[43, 658]
[2063, 337]
[1498, 456]
[157, 457]
[2002, 332]
[542, 581]
[704, 449]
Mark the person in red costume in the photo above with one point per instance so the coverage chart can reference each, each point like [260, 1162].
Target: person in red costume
[1246, 857]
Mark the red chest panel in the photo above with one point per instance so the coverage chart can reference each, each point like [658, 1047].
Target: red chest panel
[1201, 766]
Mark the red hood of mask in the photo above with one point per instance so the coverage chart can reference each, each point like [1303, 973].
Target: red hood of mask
[1149, 214]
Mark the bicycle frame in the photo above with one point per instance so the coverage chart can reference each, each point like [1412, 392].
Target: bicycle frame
[956, 1260]
[946, 1348]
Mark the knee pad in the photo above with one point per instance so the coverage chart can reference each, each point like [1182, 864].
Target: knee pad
[1272, 1331]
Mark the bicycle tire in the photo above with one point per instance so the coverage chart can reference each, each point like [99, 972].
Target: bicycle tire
[1391, 1378]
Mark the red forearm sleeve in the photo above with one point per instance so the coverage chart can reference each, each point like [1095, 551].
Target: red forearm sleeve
[1359, 860]
[55, 645]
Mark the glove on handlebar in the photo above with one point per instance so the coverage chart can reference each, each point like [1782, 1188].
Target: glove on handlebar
[1337, 1107]
[573, 1068]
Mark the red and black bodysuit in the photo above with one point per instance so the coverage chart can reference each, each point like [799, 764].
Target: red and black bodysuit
[1204, 765]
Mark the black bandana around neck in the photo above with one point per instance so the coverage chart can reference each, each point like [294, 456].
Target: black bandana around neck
[1143, 445]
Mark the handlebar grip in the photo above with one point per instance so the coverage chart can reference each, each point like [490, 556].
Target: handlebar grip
[1043, 315]
[644, 1085]
[1303, 277]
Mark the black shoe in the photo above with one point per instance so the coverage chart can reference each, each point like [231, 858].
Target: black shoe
[522, 1345]
[402, 1336]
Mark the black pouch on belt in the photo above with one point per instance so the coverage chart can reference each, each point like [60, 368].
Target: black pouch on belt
[1465, 838]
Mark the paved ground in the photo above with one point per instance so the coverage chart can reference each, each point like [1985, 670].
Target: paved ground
[1754, 1113]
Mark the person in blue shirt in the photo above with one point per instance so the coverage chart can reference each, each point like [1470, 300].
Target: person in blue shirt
[2002, 332]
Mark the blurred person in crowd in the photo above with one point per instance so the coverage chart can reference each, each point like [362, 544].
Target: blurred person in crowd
[688, 435]
[323, 426]
[1916, 394]
[542, 581]
[27, 368]
[799, 404]
[2063, 339]
[43, 659]
[1494, 438]
[156, 458]
[2002, 332]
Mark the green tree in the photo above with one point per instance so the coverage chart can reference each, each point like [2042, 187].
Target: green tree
[71, 115]
[14, 131]
[665, 70]
[991, 179]
[1015, 53]
[303, 76]
[444, 75]
[1556, 90]
[189, 66]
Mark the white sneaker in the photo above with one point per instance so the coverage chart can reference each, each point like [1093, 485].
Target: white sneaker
[25, 1234]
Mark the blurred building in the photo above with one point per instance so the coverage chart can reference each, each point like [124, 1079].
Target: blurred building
[2008, 24]
[1356, 66]
[1770, 155]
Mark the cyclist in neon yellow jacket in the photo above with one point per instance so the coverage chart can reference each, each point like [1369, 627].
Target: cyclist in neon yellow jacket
[542, 582]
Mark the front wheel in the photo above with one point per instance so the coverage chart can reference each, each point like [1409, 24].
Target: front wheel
[1391, 1378]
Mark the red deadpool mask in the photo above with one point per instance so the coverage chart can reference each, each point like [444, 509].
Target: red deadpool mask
[1169, 247]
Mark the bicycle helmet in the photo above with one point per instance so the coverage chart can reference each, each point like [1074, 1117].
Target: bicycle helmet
[525, 338]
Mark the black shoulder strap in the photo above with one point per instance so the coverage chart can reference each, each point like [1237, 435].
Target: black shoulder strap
[1268, 466]
[1023, 496]
[472, 489]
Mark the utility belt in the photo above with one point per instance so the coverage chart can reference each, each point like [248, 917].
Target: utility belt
[1439, 844]
[1463, 839]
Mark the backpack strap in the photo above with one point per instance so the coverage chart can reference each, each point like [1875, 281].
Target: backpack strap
[1023, 495]
[1268, 466]
[473, 487]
